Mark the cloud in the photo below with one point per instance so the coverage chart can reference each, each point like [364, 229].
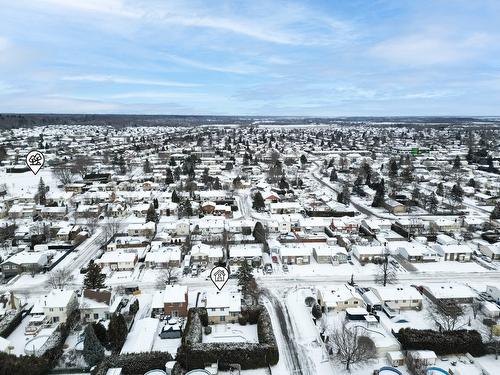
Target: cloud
[127, 81]
[431, 48]
[236, 69]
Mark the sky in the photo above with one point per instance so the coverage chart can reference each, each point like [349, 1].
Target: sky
[258, 57]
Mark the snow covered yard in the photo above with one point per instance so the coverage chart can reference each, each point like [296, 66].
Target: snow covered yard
[232, 333]
[449, 266]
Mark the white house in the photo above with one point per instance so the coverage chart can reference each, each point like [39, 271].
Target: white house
[205, 254]
[223, 307]
[368, 253]
[399, 297]
[118, 260]
[59, 304]
[460, 253]
[339, 298]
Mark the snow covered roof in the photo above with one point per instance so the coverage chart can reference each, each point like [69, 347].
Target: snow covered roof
[333, 296]
[223, 300]
[25, 257]
[57, 298]
[245, 250]
[117, 257]
[142, 336]
[450, 290]
[393, 293]
[175, 294]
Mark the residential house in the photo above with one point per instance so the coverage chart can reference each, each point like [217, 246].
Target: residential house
[368, 253]
[399, 297]
[118, 260]
[460, 253]
[339, 298]
[295, 254]
[24, 261]
[223, 307]
[175, 301]
[96, 305]
[58, 305]
[204, 254]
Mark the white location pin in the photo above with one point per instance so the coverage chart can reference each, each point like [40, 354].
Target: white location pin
[35, 160]
[219, 276]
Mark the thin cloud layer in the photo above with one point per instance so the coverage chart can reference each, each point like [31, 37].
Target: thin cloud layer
[257, 57]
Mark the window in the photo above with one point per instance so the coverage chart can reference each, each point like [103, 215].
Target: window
[355, 302]
[222, 318]
[6, 267]
[213, 309]
[55, 319]
[415, 301]
[96, 316]
[51, 309]
[175, 313]
[346, 302]
[61, 308]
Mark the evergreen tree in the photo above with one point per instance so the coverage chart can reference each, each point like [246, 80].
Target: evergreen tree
[185, 208]
[155, 203]
[134, 307]
[117, 332]
[94, 279]
[378, 199]
[283, 184]
[495, 214]
[393, 168]
[169, 177]
[101, 333]
[258, 201]
[316, 311]
[333, 175]
[432, 203]
[245, 278]
[147, 166]
[41, 193]
[303, 160]
[259, 232]
[456, 195]
[151, 214]
[456, 163]
[175, 198]
[440, 189]
[93, 351]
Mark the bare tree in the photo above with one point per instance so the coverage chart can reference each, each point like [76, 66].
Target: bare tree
[448, 316]
[476, 307]
[63, 175]
[82, 164]
[111, 227]
[58, 279]
[167, 276]
[350, 345]
[386, 272]
[415, 364]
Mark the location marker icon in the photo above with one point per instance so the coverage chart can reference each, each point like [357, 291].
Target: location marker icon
[219, 276]
[35, 160]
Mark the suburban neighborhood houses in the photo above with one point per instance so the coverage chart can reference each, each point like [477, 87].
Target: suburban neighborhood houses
[350, 236]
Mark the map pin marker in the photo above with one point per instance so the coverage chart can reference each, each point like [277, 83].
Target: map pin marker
[35, 160]
[219, 276]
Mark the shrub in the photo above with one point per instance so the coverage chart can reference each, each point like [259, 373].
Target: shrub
[316, 311]
[446, 342]
[208, 330]
[242, 320]
[310, 301]
[133, 364]
[93, 352]
[101, 333]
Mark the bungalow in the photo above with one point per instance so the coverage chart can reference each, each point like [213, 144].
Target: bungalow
[168, 208]
[330, 254]
[394, 206]
[460, 253]
[285, 208]
[58, 305]
[223, 307]
[399, 297]
[339, 298]
[147, 229]
[414, 251]
[368, 253]
[118, 260]
[492, 251]
[24, 261]
[295, 254]
[446, 225]
[74, 188]
[449, 293]
[414, 226]
[175, 301]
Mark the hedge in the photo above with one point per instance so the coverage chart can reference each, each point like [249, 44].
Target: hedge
[193, 354]
[442, 343]
[133, 364]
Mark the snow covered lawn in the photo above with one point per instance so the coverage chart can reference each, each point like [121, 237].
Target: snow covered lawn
[449, 266]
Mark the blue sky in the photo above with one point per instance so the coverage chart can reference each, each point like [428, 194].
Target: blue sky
[259, 57]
